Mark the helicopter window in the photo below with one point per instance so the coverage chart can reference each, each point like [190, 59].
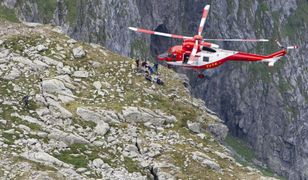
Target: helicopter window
[174, 56]
[208, 49]
[169, 54]
[206, 59]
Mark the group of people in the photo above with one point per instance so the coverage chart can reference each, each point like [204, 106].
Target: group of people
[150, 72]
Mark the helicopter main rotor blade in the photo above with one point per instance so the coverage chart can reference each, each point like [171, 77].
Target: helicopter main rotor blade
[237, 40]
[159, 33]
[203, 20]
[193, 53]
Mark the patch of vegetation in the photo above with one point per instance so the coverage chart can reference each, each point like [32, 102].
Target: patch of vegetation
[9, 138]
[75, 155]
[46, 9]
[8, 14]
[241, 148]
[131, 165]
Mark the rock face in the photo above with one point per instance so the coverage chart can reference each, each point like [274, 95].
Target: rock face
[267, 108]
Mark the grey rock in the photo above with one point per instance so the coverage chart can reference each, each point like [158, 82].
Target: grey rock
[3, 122]
[67, 138]
[79, 52]
[219, 130]
[97, 85]
[143, 115]
[65, 99]
[89, 115]
[98, 163]
[13, 74]
[71, 41]
[41, 48]
[43, 157]
[205, 161]
[81, 74]
[49, 60]
[194, 127]
[9, 131]
[55, 86]
[4, 53]
[102, 128]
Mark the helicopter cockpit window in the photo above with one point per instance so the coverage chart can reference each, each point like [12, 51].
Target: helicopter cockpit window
[204, 48]
[206, 59]
[169, 54]
[174, 55]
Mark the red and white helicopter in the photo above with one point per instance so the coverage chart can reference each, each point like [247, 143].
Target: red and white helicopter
[198, 54]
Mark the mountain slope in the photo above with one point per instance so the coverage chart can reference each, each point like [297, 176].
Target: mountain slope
[91, 115]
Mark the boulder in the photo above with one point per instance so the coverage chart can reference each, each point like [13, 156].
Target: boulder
[79, 52]
[3, 122]
[205, 161]
[4, 53]
[65, 99]
[143, 115]
[67, 138]
[13, 74]
[49, 61]
[42, 157]
[102, 128]
[89, 115]
[219, 130]
[41, 48]
[97, 85]
[81, 74]
[194, 127]
[98, 163]
[55, 86]
[71, 41]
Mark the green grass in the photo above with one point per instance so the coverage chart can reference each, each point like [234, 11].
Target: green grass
[68, 157]
[131, 165]
[10, 138]
[74, 155]
[8, 14]
[241, 148]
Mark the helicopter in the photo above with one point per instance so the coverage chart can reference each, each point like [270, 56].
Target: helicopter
[199, 54]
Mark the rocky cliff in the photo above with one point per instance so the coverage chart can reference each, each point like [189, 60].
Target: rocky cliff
[266, 107]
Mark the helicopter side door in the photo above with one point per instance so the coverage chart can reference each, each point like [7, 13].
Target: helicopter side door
[185, 58]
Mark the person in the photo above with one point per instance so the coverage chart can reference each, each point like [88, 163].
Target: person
[144, 64]
[138, 63]
[151, 70]
[155, 67]
[148, 76]
[158, 81]
[25, 100]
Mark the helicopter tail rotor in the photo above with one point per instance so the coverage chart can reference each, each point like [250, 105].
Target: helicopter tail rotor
[288, 47]
[292, 47]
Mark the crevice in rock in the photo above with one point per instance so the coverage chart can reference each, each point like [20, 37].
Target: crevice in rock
[153, 173]
[137, 145]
